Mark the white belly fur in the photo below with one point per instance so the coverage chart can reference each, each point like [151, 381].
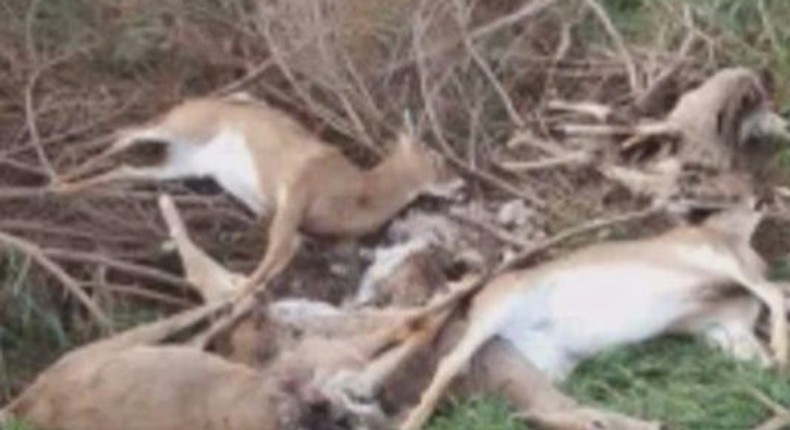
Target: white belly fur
[227, 159]
[574, 314]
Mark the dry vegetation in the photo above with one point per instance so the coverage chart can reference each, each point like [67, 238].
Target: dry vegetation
[476, 76]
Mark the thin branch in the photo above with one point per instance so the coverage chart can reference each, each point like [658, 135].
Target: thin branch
[102, 118]
[143, 293]
[247, 79]
[528, 253]
[71, 284]
[339, 90]
[30, 107]
[770, 30]
[279, 58]
[643, 129]
[529, 10]
[781, 416]
[10, 193]
[32, 127]
[573, 158]
[617, 38]
[437, 130]
[600, 112]
[121, 266]
[481, 63]
[647, 101]
[492, 230]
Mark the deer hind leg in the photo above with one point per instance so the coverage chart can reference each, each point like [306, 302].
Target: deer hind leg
[68, 183]
[728, 324]
[476, 335]
[410, 332]
[212, 281]
[115, 175]
[363, 385]
[745, 270]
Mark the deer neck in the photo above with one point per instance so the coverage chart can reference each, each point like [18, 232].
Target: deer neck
[388, 188]
[350, 202]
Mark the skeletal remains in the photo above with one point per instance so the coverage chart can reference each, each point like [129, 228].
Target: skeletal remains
[300, 364]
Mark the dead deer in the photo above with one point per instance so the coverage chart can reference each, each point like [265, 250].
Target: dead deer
[328, 331]
[127, 383]
[619, 293]
[268, 161]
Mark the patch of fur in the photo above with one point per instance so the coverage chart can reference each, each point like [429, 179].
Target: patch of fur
[385, 262]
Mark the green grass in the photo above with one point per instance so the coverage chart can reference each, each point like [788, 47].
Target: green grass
[680, 382]
[16, 425]
[476, 414]
[32, 332]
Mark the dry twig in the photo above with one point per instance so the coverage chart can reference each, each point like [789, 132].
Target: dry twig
[437, 129]
[617, 38]
[588, 227]
[71, 284]
[492, 230]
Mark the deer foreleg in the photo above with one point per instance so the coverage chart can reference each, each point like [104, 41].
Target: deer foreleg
[283, 233]
[283, 239]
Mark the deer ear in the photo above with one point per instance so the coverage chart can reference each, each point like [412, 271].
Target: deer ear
[406, 140]
[407, 136]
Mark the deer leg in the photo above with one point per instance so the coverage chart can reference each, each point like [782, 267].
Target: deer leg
[158, 331]
[126, 139]
[499, 368]
[118, 174]
[283, 237]
[366, 383]
[212, 281]
[475, 336]
[751, 278]
[283, 233]
[728, 324]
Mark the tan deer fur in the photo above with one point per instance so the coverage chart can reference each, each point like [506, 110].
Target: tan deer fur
[268, 338]
[618, 293]
[126, 383]
[267, 160]
[719, 115]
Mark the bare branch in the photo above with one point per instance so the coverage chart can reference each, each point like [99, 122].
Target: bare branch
[55, 270]
[617, 38]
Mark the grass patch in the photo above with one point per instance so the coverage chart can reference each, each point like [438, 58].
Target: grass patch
[681, 382]
[480, 413]
[32, 333]
[16, 425]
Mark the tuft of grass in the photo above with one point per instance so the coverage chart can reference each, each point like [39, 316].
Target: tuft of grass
[478, 413]
[32, 334]
[16, 425]
[683, 383]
